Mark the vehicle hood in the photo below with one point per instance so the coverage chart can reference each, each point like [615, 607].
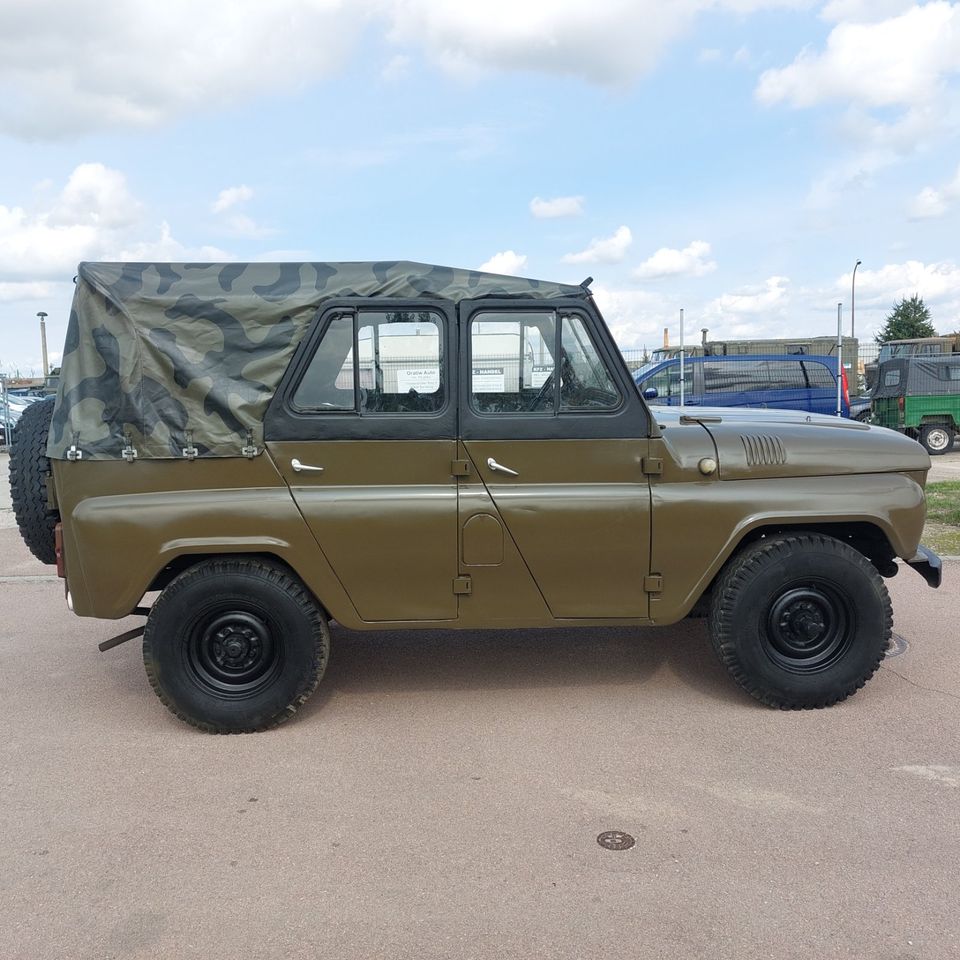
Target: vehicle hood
[757, 443]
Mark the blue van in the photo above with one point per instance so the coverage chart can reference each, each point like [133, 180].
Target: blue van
[783, 381]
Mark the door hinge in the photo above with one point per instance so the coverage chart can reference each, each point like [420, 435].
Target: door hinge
[652, 466]
[462, 585]
[653, 583]
[460, 468]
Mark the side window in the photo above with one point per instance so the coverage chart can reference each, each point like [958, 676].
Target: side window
[819, 376]
[786, 375]
[667, 382]
[397, 366]
[536, 363]
[729, 377]
[585, 382]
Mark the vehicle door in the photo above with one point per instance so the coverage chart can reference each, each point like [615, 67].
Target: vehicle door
[555, 429]
[363, 429]
[822, 386]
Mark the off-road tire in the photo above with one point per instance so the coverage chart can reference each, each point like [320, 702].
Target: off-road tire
[29, 468]
[800, 621]
[937, 438]
[235, 645]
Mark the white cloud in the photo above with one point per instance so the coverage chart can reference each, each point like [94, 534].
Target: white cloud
[692, 261]
[230, 197]
[98, 196]
[94, 217]
[233, 222]
[557, 207]
[900, 61]
[22, 291]
[935, 201]
[863, 11]
[610, 42]
[66, 69]
[166, 248]
[768, 301]
[604, 249]
[506, 262]
[636, 318]
[937, 283]
[396, 69]
[86, 65]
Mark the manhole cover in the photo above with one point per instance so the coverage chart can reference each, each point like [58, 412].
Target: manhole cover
[615, 840]
[897, 646]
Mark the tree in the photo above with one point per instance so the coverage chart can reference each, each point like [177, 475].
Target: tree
[908, 319]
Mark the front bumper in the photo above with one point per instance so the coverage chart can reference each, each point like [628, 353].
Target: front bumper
[928, 565]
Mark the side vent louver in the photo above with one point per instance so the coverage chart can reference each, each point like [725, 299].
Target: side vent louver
[763, 450]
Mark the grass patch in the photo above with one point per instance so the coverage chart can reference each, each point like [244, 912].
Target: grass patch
[943, 502]
[942, 532]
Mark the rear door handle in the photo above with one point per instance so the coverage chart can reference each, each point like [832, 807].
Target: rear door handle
[299, 467]
[500, 468]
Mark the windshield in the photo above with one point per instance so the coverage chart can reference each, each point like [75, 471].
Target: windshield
[641, 372]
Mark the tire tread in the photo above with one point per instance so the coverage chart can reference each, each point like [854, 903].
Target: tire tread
[271, 573]
[736, 578]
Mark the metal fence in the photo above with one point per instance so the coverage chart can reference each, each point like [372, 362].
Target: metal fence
[16, 393]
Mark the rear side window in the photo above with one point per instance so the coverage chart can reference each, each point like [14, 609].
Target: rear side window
[785, 375]
[376, 362]
[819, 376]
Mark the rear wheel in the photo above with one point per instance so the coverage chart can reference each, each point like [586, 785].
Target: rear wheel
[800, 621]
[235, 645]
[29, 469]
[937, 438]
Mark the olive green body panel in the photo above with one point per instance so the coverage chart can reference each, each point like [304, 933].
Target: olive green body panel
[123, 523]
[835, 446]
[579, 514]
[385, 512]
[695, 529]
[382, 537]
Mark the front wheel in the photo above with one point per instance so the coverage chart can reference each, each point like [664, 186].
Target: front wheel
[800, 621]
[235, 645]
[937, 438]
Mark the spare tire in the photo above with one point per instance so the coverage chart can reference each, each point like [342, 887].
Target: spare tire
[29, 469]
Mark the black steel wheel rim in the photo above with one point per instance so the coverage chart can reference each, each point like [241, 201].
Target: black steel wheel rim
[809, 627]
[233, 653]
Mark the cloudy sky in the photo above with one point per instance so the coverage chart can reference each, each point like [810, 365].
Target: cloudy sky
[732, 157]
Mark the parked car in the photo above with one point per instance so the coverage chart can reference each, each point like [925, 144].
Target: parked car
[398, 445]
[921, 398]
[860, 407]
[784, 382]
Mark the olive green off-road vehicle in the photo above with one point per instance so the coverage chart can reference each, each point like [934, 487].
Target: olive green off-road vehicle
[272, 446]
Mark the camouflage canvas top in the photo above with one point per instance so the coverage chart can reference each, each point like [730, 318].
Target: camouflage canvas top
[166, 357]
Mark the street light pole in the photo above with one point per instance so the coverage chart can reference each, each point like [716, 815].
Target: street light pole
[853, 294]
[43, 344]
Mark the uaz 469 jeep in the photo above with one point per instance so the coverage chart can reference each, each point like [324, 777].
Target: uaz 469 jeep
[399, 445]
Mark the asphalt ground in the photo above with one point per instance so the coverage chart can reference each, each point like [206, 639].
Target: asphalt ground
[442, 794]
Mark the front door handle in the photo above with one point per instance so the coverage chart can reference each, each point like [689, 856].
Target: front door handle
[298, 467]
[500, 468]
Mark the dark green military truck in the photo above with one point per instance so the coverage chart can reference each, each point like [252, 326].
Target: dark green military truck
[272, 446]
[920, 396]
